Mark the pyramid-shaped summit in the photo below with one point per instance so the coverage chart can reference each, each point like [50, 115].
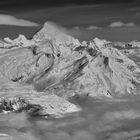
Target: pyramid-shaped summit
[53, 32]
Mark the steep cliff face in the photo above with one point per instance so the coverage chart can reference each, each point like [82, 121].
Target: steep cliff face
[55, 64]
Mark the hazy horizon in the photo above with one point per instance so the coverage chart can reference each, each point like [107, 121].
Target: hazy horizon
[111, 21]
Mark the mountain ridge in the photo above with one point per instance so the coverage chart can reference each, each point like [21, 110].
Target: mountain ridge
[56, 64]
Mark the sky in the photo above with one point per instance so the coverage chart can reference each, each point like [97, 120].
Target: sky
[11, 4]
[116, 20]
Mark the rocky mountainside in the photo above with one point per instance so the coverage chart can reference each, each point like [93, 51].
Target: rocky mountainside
[41, 74]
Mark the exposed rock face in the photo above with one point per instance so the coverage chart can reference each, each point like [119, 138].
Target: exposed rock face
[45, 105]
[53, 66]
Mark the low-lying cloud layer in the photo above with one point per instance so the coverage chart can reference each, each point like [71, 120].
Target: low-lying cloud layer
[112, 25]
[121, 24]
[11, 20]
[90, 27]
[93, 27]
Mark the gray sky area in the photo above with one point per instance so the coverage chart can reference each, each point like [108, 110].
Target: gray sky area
[108, 19]
[16, 3]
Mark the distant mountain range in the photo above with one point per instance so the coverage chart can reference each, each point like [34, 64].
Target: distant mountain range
[53, 66]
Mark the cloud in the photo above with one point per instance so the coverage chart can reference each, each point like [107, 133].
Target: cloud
[11, 20]
[134, 8]
[93, 27]
[76, 28]
[129, 135]
[138, 14]
[121, 24]
[120, 115]
[113, 120]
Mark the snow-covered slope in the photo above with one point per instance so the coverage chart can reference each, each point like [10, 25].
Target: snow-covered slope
[55, 64]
